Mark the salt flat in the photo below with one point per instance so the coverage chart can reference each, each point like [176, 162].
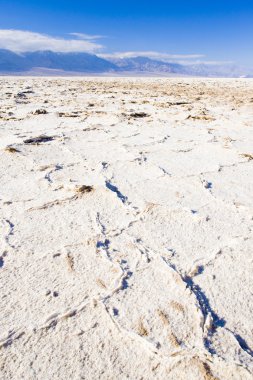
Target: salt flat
[126, 228]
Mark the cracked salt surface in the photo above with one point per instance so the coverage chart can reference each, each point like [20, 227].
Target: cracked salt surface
[126, 242]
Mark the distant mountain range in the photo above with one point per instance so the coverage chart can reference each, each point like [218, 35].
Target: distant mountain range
[145, 64]
[66, 63]
[71, 62]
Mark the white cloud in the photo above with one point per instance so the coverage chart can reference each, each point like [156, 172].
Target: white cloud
[83, 36]
[20, 41]
[211, 63]
[152, 54]
[182, 59]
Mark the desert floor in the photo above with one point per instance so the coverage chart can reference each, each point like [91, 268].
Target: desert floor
[126, 228]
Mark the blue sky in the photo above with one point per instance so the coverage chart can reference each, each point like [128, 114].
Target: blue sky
[217, 30]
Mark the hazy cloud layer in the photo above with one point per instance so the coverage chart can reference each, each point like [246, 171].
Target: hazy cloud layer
[83, 36]
[20, 41]
[211, 63]
[23, 41]
[152, 54]
[183, 59]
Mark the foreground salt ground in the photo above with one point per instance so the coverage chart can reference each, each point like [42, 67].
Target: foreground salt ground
[126, 229]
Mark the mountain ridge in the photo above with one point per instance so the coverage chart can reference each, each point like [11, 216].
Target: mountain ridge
[13, 62]
[86, 63]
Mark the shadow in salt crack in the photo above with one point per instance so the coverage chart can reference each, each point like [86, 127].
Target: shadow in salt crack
[114, 189]
[205, 309]
[1, 261]
[115, 312]
[242, 343]
[105, 244]
[204, 302]
[128, 274]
